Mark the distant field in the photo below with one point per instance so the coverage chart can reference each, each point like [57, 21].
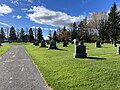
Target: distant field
[3, 49]
[100, 71]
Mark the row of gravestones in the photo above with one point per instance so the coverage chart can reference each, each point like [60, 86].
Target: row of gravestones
[80, 50]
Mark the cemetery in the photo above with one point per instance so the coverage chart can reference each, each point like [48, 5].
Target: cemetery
[79, 57]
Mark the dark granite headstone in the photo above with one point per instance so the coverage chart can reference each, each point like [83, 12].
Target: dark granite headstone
[43, 43]
[10, 41]
[80, 51]
[118, 50]
[0, 44]
[102, 42]
[36, 43]
[48, 42]
[77, 42]
[72, 42]
[98, 45]
[114, 44]
[65, 44]
[53, 45]
[81, 43]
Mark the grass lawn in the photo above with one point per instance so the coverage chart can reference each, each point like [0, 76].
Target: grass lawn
[3, 49]
[100, 71]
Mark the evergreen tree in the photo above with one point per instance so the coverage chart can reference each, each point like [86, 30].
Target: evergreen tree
[39, 34]
[12, 34]
[2, 35]
[0, 38]
[55, 36]
[50, 35]
[113, 22]
[22, 34]
[31, 37]
[103, 30]
[74, 32]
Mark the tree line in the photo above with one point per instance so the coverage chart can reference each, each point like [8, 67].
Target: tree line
[100, 26]
[104, 27]
[13, 35]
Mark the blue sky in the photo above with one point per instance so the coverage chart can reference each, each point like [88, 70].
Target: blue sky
[49, 14]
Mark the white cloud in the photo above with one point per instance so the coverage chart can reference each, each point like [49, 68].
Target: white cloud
[5, 24]
[31, 1]
[52, 29]
[4, 9]
[17, 17]
[42, 15]
[16, 2]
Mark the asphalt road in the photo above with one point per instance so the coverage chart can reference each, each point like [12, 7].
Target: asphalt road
[17, 71]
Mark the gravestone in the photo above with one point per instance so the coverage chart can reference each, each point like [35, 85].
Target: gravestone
[82, 43]
[118, 50]
[36, 43]
[102, 42]
[10, 41]
[98, 45]
[0, 44]
[43, 43]
[53, 45]
[114, 44]
[48, 42]
[80, 51]
[72, 42]
[65, 43]
[77, 42]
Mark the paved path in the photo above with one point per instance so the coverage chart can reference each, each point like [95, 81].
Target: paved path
[17, 71]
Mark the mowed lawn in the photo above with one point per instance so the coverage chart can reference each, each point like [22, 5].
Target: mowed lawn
[100, 71]
[3, 49]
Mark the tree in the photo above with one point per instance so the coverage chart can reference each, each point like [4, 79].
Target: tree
[2, 34]
[50, 35]
[12, 34]
[0, 39]
[114, 22]
[22, 34]
[82, 28]
[103, 30]
[39, 34]
[31, 37]
[55, 36]
[74, 32]
[64, 34]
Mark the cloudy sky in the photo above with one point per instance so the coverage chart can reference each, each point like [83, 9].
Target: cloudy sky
[49, 14]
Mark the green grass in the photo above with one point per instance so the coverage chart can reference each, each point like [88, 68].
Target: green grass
[3, 49]
[100, 71]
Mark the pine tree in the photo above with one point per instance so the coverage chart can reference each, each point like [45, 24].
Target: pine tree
[103, 30]
[12, 34]
[2, 35]
[39, 34]
[22, 34]
[113, 22]
[55, 36]
[74, 33]
[50, 35]
[31, 37]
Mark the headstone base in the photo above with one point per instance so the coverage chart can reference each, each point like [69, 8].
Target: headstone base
[53, 47]
[82, 55]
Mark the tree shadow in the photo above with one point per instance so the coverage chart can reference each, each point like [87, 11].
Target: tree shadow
[96, 58]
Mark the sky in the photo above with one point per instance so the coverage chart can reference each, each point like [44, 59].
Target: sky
[49, 14]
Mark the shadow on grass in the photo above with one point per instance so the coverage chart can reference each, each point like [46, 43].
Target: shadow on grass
[58, 49]
[96, 58]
